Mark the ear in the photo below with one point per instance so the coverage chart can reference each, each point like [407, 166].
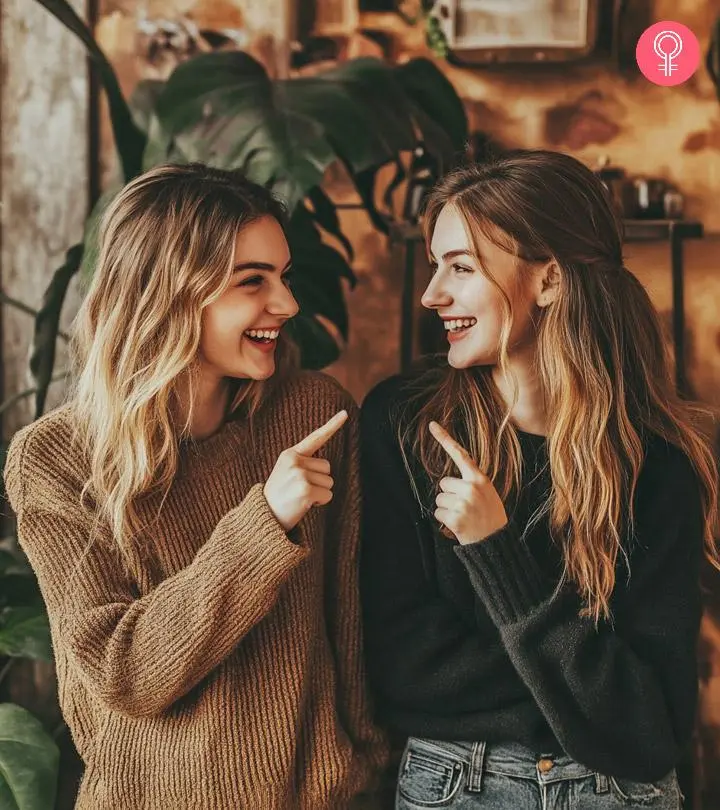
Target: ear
[548, 284]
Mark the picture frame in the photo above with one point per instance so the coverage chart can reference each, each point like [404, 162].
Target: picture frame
[486, 31]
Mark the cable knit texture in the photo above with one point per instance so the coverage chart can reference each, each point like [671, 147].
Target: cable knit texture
[224, 670]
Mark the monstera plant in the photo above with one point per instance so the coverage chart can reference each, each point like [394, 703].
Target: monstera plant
[222, 108]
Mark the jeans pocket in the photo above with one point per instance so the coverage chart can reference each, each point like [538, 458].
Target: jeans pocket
[662, 794]
[427, 779]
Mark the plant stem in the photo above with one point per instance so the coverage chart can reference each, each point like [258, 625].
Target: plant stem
[6, 668]
[28, 392]
[58, 730]
[13, 302]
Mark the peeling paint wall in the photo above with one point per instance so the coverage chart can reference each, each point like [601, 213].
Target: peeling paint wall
[44, 176]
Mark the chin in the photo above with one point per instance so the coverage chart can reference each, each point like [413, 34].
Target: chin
[251, 373]
[260, 374]
[462, 360]
[457, 360]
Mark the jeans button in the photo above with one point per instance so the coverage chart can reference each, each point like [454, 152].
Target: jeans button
[545, 765]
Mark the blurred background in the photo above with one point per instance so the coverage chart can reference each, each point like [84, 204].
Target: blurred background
[350, 109]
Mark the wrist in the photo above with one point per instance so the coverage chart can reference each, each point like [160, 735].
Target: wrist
[480, 538]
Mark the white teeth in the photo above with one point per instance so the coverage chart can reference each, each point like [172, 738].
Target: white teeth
[460, 323]
[270, 334]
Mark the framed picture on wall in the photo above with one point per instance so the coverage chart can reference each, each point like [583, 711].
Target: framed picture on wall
[518, 30]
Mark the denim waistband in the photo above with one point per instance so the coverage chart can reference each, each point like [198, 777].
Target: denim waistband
[508, 759]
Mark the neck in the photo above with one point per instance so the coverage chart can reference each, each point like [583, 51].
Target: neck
[528, 413]
[209, 407]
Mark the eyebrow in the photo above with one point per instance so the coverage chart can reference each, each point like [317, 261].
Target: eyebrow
[452, 254]
[256, 265]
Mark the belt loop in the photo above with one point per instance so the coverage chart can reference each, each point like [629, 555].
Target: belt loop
[477, 760]
[601, 783]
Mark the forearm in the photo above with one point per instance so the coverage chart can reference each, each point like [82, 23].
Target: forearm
[139, 655]
[620, 699]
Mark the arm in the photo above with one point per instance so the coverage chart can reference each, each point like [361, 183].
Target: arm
[620, 699]
[441, 668]
[140, 655]
[342, 603]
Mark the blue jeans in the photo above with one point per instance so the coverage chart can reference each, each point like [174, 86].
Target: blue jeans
[470, 776]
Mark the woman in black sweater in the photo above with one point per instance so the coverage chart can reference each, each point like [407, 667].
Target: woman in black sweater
[535, 512]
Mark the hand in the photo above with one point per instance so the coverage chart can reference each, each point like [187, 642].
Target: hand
[469, 506]
[298, 481]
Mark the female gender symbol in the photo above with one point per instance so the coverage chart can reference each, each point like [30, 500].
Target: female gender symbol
[677, 47]
[660, 43]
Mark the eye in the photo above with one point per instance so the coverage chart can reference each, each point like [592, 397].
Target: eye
[461, 268]
[288, 276]
[253, 281]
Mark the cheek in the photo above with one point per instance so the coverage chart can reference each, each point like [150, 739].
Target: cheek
[222, 326]
[231, 315]
[488, 306]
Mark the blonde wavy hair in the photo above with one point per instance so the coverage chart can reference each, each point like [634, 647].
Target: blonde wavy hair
[601, 359]
[166, 252]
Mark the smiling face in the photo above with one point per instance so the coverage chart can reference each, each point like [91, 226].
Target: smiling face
[469, 303]
[241, 327]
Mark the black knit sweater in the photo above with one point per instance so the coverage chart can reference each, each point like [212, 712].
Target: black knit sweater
[472, 642]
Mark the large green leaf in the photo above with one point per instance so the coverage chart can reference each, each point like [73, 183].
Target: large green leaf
[318, 348]
[129, 140]
[25, 633]
[317, 272]
[47, 324]
[363, 111]
[325, 214]
[19, 590]
[436, 107]
[431, 90]
[222, 109]
[29, 761]
[143, 100]
[7, 561]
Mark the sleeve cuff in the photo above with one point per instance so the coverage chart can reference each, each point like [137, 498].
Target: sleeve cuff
[505, 575]
[256, 543]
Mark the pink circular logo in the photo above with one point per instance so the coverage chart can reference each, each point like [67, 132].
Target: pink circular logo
[668, 53]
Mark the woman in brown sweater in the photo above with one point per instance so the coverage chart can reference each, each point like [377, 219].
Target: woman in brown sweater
[197, 562]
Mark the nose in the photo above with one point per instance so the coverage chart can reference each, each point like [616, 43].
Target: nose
[435, 295]
[282, 303]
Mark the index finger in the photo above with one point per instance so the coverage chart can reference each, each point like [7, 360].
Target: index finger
[461, 457]
[312, 443]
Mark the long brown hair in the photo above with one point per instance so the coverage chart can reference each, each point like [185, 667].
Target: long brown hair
[167, 243]
[601, 359]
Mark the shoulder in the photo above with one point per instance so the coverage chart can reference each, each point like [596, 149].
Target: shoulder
[397, 399]
[668, 502]
[43, 459]
[386, 394]
[667, 471]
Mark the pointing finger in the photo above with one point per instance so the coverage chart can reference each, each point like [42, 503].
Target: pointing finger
[461, 457]
[312, 443]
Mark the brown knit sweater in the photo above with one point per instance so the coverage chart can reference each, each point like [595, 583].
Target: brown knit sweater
[225, 670]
